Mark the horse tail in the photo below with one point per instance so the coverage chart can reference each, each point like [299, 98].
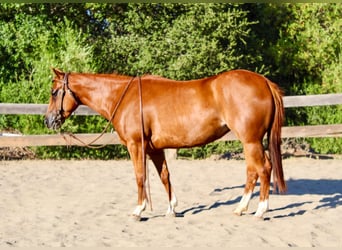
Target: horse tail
[274, 138]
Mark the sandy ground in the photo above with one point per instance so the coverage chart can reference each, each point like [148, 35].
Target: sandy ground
[88, 203]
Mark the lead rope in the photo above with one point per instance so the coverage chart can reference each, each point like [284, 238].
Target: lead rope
[88, 145]
[146, 180]
[144, 162]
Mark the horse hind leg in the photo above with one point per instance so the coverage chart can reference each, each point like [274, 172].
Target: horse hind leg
[265, 177]
[257, 166]
[158, 159]
[252, 178]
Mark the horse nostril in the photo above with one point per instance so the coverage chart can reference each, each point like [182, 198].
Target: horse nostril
[53, 121]
[46, 122]
[49, 120]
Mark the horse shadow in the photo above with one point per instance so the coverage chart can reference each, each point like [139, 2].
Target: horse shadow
[331, 189]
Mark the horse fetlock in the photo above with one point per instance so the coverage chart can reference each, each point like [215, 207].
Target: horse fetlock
[243, 205]
[139, 209]
[172, 205]
[262, 209]
[171, 211]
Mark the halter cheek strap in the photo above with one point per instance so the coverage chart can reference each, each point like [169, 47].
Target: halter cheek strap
[66, 89]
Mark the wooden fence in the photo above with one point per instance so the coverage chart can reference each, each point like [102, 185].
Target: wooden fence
[13, 140]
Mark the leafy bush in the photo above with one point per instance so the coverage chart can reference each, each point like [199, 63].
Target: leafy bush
[36, 46]
[214, 148]
[296, 45]
[188, 42]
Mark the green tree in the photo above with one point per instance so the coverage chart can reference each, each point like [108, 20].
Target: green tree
[30, 44]
[309, 47]
[296, 45]
[309, 50]
[180, 41]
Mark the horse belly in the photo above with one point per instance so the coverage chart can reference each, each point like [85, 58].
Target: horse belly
[189, 135]
[185, 116]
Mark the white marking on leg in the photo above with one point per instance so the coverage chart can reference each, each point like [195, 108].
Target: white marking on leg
[243, 205]
[172, 205]
[262, 208]
[139, 209]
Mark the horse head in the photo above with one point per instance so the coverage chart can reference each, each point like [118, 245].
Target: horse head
[63, 101]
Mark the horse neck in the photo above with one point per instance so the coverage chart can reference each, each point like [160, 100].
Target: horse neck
[99, 92]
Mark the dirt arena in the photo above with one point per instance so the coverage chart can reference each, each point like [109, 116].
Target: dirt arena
[88, 203]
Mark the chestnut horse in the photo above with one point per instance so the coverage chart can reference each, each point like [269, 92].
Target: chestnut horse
[151, 113]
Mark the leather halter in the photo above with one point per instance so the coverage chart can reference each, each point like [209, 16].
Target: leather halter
[66, 89]
[89, 144]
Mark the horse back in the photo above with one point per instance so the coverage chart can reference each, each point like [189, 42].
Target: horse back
[191, 113]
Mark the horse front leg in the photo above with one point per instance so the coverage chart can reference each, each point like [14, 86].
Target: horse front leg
[158, 159]
[139, 164]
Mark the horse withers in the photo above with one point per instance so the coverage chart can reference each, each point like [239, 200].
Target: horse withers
[151, 113]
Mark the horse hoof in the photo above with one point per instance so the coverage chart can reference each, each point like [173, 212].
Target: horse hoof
[239, 211]
[171, 215]
[135, 217]
[259, 218]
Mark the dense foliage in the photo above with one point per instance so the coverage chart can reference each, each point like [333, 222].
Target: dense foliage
[296, 45]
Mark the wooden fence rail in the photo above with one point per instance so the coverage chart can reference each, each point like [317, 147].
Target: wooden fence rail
[6, 140]
[66, 139]
[289, 102]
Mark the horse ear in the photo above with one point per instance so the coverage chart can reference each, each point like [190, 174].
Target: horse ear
[58, 72]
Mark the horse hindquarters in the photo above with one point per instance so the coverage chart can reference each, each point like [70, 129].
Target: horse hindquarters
[258, 109]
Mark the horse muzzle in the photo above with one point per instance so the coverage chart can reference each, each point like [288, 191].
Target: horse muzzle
[53, 121]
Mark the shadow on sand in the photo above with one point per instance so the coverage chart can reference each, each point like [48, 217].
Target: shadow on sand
[331, 189]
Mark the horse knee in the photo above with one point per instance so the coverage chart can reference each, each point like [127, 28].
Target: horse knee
[140, 180]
